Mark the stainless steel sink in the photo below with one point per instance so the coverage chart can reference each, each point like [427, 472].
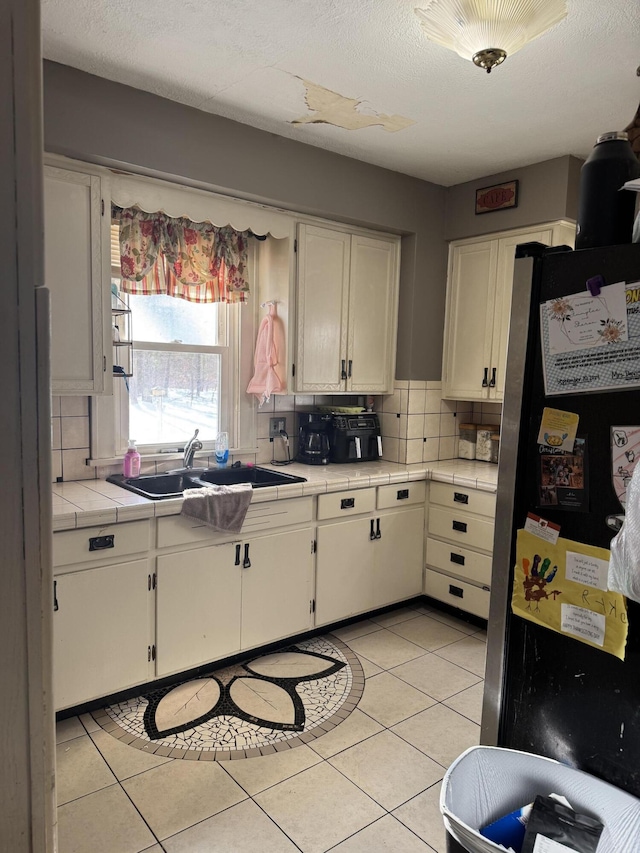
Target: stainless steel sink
[172, 484]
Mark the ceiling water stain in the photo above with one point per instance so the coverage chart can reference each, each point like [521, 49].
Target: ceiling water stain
[329, 107]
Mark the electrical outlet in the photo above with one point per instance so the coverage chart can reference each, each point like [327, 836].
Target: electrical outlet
[275, 425]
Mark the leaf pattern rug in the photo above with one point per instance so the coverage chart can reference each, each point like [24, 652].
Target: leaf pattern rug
[267, 704]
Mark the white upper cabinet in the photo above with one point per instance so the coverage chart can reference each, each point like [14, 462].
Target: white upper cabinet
[479, 307]
[77, 273]
[347, 311]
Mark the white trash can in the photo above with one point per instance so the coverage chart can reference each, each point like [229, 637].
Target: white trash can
[487, 782]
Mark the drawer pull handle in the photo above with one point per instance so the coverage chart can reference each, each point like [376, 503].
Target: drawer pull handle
[460, 498]
[55, 595]
[347, 503]
[350, 366]
[372, 533]
[101, 543]
[457, 558]
[238, 547]
[485, 378]
[460, 526]
[343, 372]
[492, 384]
[403, 494]
[246, 563]
[456, 590]
[378, 533]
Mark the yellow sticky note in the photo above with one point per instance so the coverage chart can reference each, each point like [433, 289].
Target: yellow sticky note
[562, 587]
[558, 429]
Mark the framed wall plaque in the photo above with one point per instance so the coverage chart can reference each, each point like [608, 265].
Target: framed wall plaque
[497, 197]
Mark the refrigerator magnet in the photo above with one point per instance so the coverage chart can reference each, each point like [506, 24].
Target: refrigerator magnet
[558, 430]
[563, 478]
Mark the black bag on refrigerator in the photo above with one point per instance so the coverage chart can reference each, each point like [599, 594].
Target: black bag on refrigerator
[556, 822]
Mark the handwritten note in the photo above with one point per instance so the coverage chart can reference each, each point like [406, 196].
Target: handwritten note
[587, 570]
[581, 321]
[583, 623]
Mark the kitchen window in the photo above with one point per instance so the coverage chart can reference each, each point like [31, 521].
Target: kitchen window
[183, 370]
[190, 363]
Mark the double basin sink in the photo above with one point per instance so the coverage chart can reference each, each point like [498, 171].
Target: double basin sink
[173, 483]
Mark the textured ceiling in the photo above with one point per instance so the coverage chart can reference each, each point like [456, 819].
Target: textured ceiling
[254, 61]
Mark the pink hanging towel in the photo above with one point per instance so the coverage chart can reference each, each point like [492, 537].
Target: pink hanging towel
[268, 377]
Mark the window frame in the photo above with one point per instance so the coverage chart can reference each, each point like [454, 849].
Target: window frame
[110, 414]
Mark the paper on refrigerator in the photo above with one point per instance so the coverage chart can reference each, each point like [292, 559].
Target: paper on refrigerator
[592, 343]
[560, 586]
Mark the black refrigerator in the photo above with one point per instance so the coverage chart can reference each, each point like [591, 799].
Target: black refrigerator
[546, 692]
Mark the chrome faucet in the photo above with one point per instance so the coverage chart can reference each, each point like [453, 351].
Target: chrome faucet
[190, 450]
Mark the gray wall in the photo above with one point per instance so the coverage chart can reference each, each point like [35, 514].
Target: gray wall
[547, 191]
[93, 119]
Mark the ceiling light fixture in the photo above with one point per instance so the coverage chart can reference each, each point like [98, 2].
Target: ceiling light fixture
[487, 31]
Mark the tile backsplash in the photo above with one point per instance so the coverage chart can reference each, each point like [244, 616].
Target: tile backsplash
[417, 426]
[70, 439]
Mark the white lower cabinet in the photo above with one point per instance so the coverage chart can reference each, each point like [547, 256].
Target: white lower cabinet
[101, 630]
[177, 595]
[277, 589]
[459, 547]
[215, 601]
[399, 553]
[369, 562]
[344, 570]
[197, 607]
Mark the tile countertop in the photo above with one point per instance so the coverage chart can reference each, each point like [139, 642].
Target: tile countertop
[85, 503]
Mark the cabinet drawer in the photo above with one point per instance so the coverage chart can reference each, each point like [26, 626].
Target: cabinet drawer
[457, 593]
[461, 528]
[342, 504]
[180, 530]
[459, 497]
[463, 562]
[100, 543]
[401, 494]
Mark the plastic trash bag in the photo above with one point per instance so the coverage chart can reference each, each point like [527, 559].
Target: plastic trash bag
[624, 565]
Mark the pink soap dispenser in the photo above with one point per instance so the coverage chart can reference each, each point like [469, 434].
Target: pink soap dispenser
[131, 462]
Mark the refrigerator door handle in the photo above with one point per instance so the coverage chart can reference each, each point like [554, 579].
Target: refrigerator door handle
[485, 380]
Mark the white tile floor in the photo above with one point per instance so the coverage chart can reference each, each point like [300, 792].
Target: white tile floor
[370, 784]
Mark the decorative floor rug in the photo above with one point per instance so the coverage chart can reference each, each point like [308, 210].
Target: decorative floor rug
[268, 704]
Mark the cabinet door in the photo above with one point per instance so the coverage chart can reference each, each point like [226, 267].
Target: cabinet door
[504, 287]
[469, 320]
[197, 607]
[323, 275]
[344, 584]
[101, 632]
[277, 589]
[372, 315]
[77, 265]
[399, 554]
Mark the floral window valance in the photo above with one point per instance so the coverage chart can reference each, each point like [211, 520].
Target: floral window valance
[196, 261]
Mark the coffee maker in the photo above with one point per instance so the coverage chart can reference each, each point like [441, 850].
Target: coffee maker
[314, 430]
[356, 438]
